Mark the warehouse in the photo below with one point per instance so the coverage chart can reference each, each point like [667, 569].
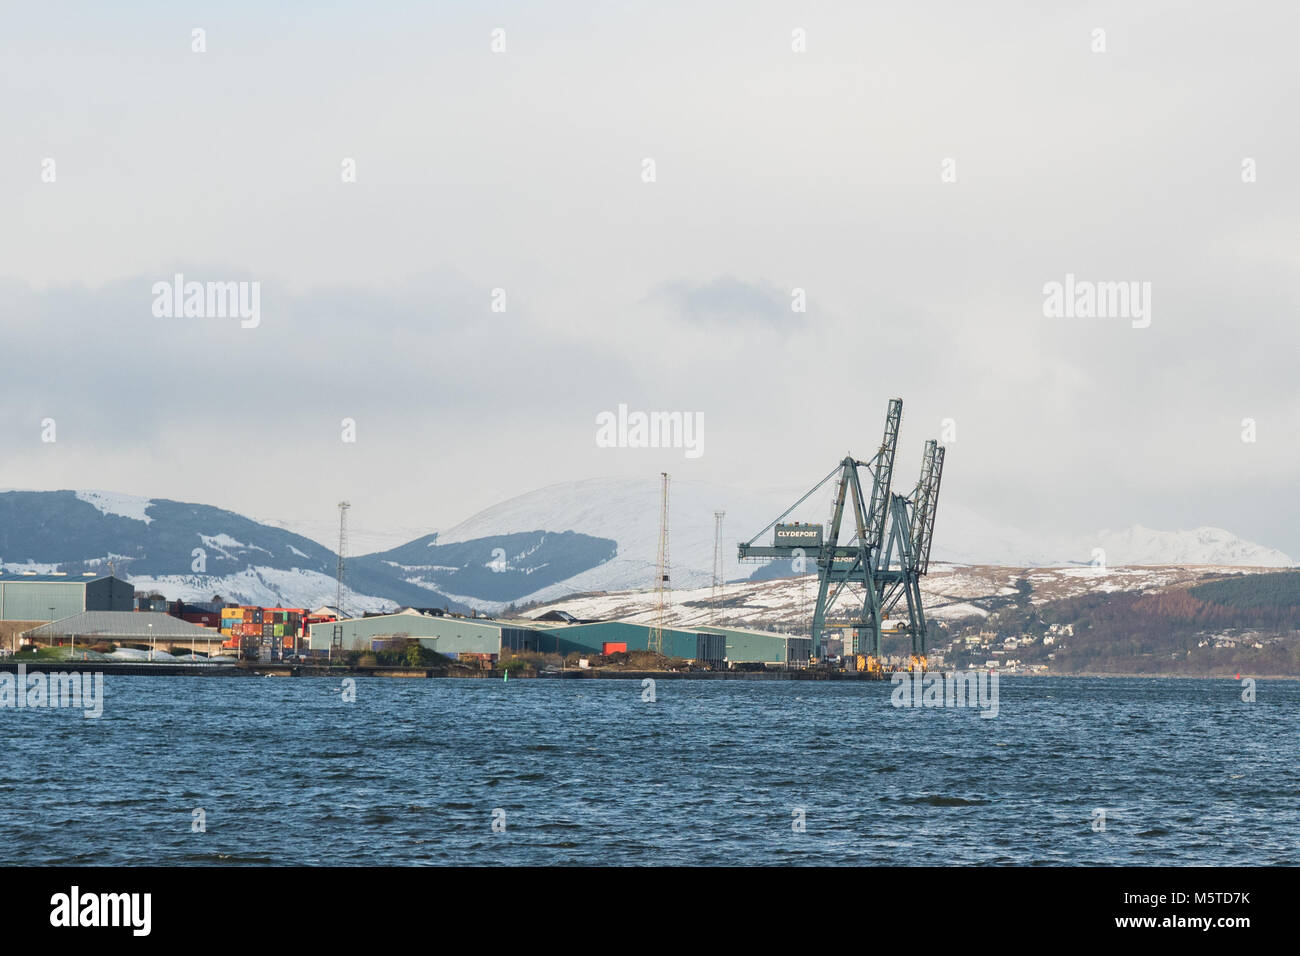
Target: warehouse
[696, 643]
[484, 636]
[706, 644]
[139, 628]
[764, 647]
[450, 636]
[597, 637]
[49, 597]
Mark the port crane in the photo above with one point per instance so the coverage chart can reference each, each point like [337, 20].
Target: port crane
[885, 550]
[911, 533]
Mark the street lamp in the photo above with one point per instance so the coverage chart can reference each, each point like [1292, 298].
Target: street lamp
[151, 645]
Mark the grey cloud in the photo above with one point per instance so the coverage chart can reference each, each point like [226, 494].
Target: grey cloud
[727, 300]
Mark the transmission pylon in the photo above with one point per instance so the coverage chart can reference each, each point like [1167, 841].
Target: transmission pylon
[343, 547]
[656, 640]
[719, 576]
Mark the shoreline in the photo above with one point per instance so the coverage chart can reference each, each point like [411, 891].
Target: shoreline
[245, 669]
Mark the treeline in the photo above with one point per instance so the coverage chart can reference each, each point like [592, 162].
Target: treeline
[1176, 609]
[1279, 591]
[1161, 633]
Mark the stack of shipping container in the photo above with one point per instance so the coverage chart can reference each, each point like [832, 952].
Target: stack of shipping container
[262, 633]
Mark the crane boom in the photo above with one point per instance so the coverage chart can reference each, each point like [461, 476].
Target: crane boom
[925, 538]
[882, 476]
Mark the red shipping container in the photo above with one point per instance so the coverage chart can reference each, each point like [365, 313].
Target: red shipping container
[614, 647]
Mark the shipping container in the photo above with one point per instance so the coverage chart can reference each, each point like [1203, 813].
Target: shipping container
[614, 647]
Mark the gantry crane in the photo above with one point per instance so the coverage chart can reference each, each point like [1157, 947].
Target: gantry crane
[911, 533]
[866, 560]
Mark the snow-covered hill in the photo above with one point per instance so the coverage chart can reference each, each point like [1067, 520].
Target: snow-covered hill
[600, 534]
[186, 550]
[949, 592]
[362, 538]
[627, 510]
[1142, 546]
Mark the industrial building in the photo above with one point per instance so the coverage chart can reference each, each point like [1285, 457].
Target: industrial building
[707, 644]
[713, 645]
[50, 597]
[450, 636]
[744, 644]
[596, 637]
[478, 637]
[141, 628]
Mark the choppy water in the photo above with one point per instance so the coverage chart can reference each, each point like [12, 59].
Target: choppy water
[710, 773]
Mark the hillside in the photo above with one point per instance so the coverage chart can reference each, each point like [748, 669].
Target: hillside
[494, 569]
[1193, 621]
[1225, 623]
[598, 535]
[186, 550]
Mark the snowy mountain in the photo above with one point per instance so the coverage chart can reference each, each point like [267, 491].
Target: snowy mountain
[967, 538]
[583, 536]
[1142, 546]
[185, 550]
[950, 593]
[491, 570]
[362, 539]
[627, 510]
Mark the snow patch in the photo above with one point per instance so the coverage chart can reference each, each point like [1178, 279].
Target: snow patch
[267, 587]
[114, 503]
[627, 510]
[29, 567]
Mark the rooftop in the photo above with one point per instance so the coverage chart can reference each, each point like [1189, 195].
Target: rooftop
[8, 577]
[134, 624]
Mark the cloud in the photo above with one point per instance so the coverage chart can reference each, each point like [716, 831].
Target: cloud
[775, 170]
[726, 300]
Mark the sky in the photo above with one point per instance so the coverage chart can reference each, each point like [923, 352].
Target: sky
[916, 174]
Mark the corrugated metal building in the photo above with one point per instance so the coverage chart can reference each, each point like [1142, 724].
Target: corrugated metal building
[558, 637]
[127, 627]
[764, 647]
[446, 635]
[30, 597]
[461, 635]
[703, 644]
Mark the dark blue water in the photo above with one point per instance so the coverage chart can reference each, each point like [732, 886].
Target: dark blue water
[588, 773]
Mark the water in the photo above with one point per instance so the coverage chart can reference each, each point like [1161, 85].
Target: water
[710, 773]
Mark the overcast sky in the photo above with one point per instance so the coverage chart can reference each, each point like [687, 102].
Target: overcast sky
[775, 170]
